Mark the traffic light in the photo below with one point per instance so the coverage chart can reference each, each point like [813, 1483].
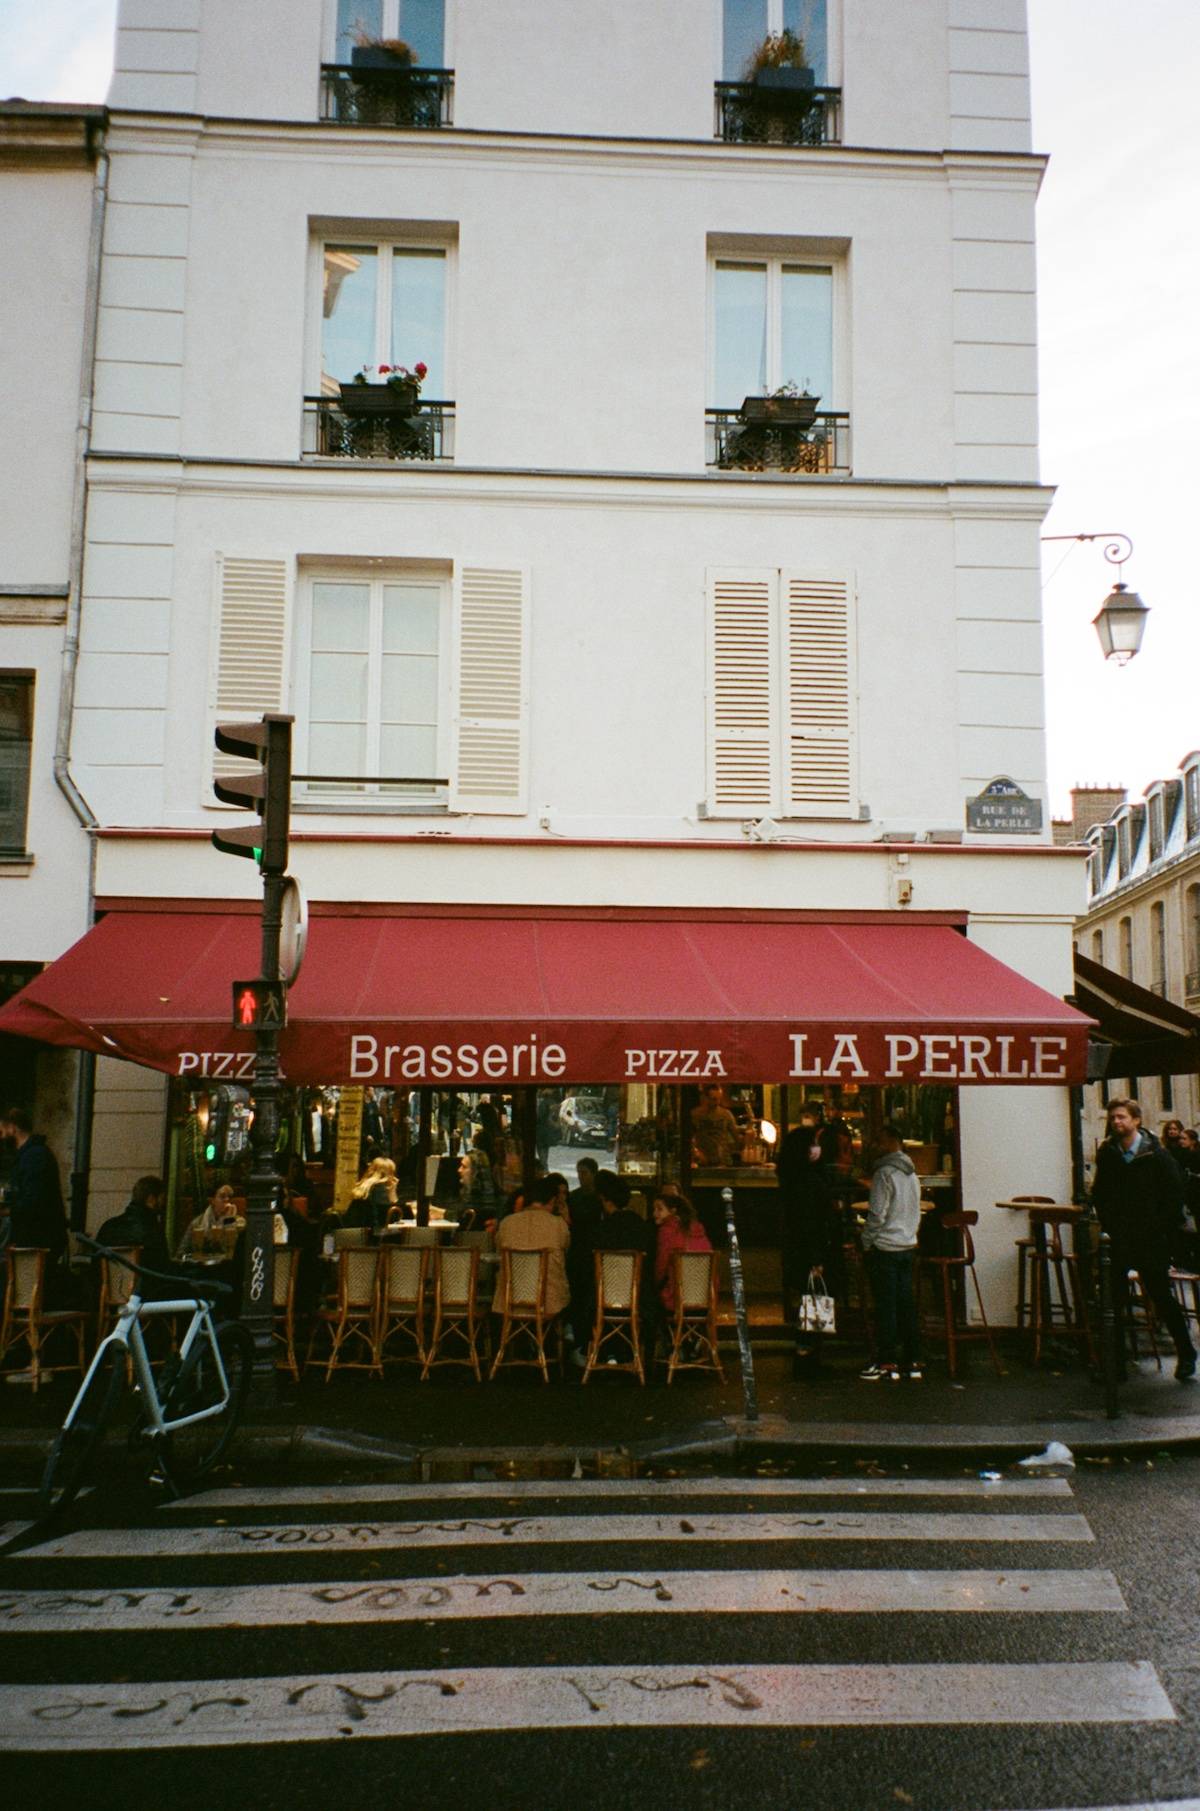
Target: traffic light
[259, 1005]
[268, 792]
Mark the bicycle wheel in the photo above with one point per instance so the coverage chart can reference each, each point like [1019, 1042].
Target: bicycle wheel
[74, 1449]
[189, 1452]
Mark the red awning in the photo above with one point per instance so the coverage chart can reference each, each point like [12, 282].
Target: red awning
[509, 998]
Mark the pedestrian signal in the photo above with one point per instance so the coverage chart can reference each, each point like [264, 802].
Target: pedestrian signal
[259, 1005]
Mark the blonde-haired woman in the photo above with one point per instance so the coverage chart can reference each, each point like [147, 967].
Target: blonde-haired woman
[374, 1197]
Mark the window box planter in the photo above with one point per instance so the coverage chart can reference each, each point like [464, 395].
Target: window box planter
[379, 399]
[373, 56]
[780, 411]
[788, 79]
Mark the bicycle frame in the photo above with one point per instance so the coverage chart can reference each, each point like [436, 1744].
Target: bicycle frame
[128, 1334]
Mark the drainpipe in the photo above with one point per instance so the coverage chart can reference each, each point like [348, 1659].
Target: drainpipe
[86, 1087]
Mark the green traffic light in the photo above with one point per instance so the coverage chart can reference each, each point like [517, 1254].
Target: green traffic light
[210, 1153]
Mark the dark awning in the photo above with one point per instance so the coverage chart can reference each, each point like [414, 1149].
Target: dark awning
[519, 996]
[1148, 1035]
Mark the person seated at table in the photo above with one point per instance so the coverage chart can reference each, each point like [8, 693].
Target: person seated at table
[678, 1228]
[536, 1227]
[373, 1197]
[140, 1222]
[221, 1215]
[561, 1203]
[716, 1140]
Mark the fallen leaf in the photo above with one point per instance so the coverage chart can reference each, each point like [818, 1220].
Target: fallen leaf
[700, 1759]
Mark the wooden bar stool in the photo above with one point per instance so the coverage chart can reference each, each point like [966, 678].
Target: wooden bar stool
[1185, 1286]
[1051, 1263]
[1025, 1249]
[1140, 1313]
[946, 1268]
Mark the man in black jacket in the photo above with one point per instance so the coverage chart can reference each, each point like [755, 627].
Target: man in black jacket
[1138, 1194]
[141, 1224]
[34, 1196]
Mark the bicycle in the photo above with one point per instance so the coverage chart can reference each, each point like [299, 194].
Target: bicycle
[190, 1413]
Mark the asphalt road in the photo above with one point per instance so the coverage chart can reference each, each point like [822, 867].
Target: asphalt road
[858, 1641]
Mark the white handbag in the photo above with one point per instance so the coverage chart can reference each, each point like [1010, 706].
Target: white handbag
[817, 1312]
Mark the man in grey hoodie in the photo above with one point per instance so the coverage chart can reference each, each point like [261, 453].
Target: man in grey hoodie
[890, 1242]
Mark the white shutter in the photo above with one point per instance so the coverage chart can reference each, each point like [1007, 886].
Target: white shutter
[819, 697]
[491, 704]
[743, 766]
[249, 666]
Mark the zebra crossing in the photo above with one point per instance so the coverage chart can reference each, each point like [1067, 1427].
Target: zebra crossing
[307, 1567]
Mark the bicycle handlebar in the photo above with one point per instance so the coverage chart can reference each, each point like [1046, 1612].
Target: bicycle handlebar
[205, 1285]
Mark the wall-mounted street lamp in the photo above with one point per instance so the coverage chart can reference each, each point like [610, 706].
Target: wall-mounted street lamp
[1121, 621]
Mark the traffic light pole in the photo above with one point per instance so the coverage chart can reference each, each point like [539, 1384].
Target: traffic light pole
[258, 1276]
[267, 792]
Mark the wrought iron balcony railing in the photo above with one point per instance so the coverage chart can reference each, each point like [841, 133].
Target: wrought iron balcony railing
[363, 96]
[425, 435]
[750, 115]
[738, 445]
[1191, 983]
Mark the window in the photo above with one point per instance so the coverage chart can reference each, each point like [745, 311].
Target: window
[372, 685]
[1158, 948]
[772, 324]
[420, 23]
[16, 741]
[1166, 1093]
[1154, 810]
[745, 23]
[782, 710]
[1096, 870]
[383, 304]
[1192, 905]
[1191, 794]
[1125, 934]
[1124, 847]
[1098, 947]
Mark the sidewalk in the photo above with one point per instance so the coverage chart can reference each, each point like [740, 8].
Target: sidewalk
[451, 1424]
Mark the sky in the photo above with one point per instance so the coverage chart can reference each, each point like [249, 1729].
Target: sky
[1114, 107]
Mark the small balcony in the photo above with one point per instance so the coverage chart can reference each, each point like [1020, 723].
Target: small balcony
[423, 435]
[362, 95]
[1191, 984]
[748, 114]
[819, 448]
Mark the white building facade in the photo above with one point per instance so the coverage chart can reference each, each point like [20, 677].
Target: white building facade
[628, 649]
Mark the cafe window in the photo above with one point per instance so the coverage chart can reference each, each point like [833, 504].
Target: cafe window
[421, 24]
[371, 686]
[773, 324]
[16, 744]
[383, 304]
[745, 23]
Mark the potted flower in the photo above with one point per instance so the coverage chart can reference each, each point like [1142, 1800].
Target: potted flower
[788, 406]
[781, 63]
[397, 391]
[382, 53]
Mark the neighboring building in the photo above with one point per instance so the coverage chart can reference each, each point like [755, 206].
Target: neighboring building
[50, 170]
[579, 634]
[1090, 805]
[1143, 921]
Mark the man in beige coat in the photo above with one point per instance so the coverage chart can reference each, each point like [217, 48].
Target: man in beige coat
[535, 1228]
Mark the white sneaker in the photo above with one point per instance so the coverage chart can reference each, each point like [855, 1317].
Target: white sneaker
[878, 1373]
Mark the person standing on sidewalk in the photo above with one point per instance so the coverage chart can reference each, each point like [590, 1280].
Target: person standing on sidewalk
[1138, 1194]
[890, 1242]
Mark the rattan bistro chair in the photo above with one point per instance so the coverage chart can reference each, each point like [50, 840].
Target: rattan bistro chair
[522, 1308]
[402, 1273]
[456, 1318]
[694, 1316]
[116, 1286]
[350, 1318]
[284, 1306]
[27, 1322]
[618, 1289]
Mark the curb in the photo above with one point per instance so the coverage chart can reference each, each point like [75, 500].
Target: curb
[726, 1439]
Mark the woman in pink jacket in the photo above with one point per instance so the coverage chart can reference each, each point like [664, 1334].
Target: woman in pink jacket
[679, 1229]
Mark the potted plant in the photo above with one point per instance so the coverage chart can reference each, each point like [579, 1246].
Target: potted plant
[382, 53]
[781, 63]
[398, 393]
[786, 407]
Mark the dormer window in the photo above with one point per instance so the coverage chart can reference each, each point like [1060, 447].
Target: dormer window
[1191, 796]
[1124, 847]
[1154, 807]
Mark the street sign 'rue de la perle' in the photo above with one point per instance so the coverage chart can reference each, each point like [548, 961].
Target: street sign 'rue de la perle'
[1002, 809]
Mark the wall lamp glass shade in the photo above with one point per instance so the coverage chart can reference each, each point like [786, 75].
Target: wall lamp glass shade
[1121, 624]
